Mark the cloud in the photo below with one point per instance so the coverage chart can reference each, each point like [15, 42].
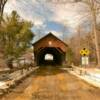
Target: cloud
[70, 13]
[49, 16]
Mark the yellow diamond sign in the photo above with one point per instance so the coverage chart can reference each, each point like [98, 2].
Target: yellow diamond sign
[84, 52]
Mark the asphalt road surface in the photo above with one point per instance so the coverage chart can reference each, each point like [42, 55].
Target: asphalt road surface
[49, 83]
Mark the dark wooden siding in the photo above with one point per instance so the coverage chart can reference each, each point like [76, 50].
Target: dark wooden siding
[45, 43]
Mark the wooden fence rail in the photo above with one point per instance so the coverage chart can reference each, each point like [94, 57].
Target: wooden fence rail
[15, 75]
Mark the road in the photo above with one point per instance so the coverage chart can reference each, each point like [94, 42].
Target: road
[49, 83]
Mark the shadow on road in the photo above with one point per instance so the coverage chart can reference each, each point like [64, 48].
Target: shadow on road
[49, 70]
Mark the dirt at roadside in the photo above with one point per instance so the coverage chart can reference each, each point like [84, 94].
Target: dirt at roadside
[53, 84]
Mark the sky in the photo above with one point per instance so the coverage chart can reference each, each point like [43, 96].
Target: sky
[57, 16]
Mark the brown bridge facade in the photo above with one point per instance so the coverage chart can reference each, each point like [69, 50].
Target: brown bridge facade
[50, 44]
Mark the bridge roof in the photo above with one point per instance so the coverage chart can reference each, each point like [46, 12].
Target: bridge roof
[49, 34]
[50, 40]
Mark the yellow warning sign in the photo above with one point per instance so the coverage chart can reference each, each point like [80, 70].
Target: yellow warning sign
[84, 52]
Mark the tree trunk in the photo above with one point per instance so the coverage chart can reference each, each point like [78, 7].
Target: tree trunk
[2, 5]
[94, 26]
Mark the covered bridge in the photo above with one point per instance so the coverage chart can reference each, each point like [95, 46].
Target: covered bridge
[51, 45]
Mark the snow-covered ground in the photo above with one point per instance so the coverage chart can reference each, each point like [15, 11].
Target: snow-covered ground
[90, 76]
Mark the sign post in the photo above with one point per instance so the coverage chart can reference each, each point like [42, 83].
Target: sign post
[84, 56]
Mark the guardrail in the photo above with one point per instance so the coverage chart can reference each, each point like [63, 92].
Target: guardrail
[15, 69]
[15, 76]
[86, 73]
[78, 70]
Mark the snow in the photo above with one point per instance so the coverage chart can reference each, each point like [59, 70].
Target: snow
[3, 85]
[91, 77]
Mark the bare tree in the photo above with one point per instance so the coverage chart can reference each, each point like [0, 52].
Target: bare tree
[93, 7]
[2, 5]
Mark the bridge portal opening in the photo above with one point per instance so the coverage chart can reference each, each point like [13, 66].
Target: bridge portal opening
[50, 56]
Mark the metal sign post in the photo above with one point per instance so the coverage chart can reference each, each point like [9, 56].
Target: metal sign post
[84, 56]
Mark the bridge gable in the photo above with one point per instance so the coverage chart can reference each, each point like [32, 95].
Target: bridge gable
[50, 41]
